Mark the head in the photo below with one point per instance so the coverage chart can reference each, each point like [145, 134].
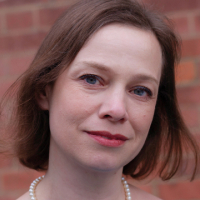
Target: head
[59, 49]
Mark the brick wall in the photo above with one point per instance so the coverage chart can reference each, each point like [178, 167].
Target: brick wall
[24, 24]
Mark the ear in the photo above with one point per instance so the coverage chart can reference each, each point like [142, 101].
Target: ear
[43, 98]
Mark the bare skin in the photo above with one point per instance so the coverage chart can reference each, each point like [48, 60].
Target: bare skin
[138, 195]
[111, 86]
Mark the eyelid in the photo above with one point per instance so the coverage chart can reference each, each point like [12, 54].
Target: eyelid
[89, 75]
[147, 90]
[102, 83]
[92, 75]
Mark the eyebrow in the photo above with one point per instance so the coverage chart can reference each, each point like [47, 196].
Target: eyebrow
[147, 78]
[105, 68]
[98, 66]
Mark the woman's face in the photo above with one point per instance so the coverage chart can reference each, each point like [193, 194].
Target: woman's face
[102, 106]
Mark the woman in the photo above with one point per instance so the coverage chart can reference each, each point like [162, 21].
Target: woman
[99, 101]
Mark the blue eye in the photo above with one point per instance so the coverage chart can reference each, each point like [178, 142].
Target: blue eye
[90, 79]
[142, 91]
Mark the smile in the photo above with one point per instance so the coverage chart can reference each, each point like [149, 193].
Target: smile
[107, 139]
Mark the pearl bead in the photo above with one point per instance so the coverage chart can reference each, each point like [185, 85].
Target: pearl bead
[33, 186]
[126, 189]
[36, 182]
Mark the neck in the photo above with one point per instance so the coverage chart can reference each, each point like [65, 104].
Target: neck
[73, 181]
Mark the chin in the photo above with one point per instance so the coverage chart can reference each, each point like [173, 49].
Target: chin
[105, 165]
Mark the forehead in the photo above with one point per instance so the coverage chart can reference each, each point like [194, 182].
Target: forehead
[123, 35]
[124, 46]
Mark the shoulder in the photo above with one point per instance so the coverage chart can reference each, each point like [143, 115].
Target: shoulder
[24, 197]
[140, 194]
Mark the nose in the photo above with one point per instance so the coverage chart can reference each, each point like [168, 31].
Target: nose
[113, 107]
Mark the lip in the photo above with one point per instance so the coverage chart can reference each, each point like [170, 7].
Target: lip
[107, 139]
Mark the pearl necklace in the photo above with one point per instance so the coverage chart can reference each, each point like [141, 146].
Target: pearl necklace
[126, 189]
[33, 186]
[37, 180]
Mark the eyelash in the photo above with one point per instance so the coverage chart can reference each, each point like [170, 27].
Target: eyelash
[100, 80]
[97, 78]
[145, 89]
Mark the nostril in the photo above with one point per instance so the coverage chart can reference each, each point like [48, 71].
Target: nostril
[113, 113]
[114, 118]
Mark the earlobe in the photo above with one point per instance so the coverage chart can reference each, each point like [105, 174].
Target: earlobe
[43, 98]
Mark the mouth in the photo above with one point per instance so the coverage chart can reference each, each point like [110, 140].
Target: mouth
[107, 139]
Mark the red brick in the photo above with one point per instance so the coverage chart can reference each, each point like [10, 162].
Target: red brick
[197, 137]
[9, 3]
[187, 168]
[1, 23]
[49, 16]
[17, 180]
[3, 67]
[198, 70]
[190, 116]
[183, 190]
[5, 198]
[70, 2]
[21, 43]
[19, 20]
[142, 186]
[5, 162]
[146, 188]
[189, 95]
[174, 5]
[185, 72]
[4, 86]
[191, 47]
[19, 64]
[197, 23]
[181, 25]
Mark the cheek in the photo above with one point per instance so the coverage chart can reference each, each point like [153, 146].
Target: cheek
[141, 118]
[71, 107]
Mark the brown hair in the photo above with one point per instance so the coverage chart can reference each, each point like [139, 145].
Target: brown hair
[168, 133]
